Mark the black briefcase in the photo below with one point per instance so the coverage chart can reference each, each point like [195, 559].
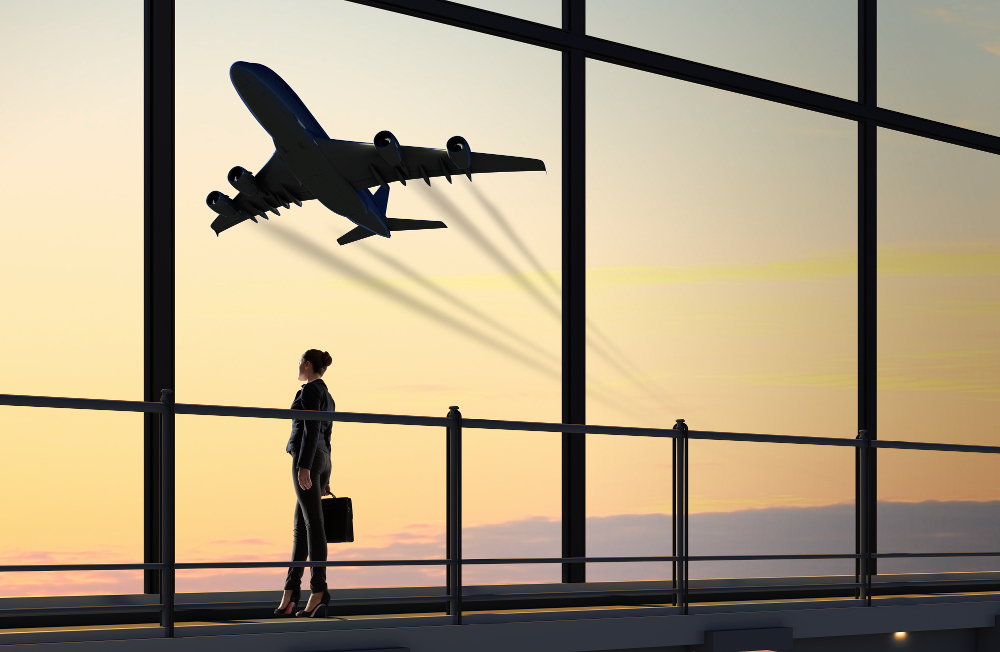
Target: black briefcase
[338, 520]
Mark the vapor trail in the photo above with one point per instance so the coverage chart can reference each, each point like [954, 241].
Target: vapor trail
[512, 235]
[455, 301]
[481, 241]
[622, 357]
[609, 349]
[327, 259]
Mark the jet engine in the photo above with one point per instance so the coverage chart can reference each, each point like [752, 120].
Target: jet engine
[244, 182]
[459, 152]
[223, 205]
[388, 148]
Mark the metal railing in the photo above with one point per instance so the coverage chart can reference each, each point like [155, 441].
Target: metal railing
[678, 596]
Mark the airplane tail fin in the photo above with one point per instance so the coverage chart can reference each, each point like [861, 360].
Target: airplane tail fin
[381, 198]
[413, 225]
[360, 233]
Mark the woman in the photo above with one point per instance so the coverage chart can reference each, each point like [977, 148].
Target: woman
[309, 446]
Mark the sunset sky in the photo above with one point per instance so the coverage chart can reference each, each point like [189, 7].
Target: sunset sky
[722, 269]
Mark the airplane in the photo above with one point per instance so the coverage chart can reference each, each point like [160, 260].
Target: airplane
[307, 164]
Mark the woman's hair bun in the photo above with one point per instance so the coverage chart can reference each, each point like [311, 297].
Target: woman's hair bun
[319, 360]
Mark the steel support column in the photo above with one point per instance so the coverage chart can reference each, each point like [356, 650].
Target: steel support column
[867, 286]
[158, 356]
[574, 314]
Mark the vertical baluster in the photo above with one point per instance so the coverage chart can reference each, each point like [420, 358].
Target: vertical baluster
[167, 513]
[680, 459]
[454, 519]
[864, 515]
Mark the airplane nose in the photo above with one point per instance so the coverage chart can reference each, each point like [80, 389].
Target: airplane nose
[242, 72]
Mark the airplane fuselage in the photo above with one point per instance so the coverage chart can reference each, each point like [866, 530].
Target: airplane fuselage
[295, 133]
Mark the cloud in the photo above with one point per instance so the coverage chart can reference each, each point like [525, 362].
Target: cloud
[940, 259]
[829, 380]
[946, 17]
[992, 48]
[242, 542]
[419, 388]
[985, 390]
[841, 265]
[937, 259]
[968, 124]
[929, 526]
[968, 371]
[68, 583]
[942, 15]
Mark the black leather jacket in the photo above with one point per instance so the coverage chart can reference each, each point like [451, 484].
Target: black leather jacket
[308, 436]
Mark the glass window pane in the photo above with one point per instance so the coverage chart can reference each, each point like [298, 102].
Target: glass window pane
[71, 256]
[938, 292]
[721, 260]
[941, 61]
[770, 499]
[722, 280]
[71, 250]
[931, 501]
[629, 506]
[807, 43]
[394, 476]
[511, 508]
[467, 315]
[72, 487]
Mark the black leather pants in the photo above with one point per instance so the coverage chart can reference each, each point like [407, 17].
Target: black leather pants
[309, 538]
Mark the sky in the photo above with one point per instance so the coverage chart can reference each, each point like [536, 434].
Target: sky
[721, 269]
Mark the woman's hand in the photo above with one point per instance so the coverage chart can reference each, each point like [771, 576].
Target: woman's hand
[304, 480]
[326, 491]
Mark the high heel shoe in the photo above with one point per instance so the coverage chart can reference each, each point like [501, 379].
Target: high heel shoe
[324, 602]
[292, 601]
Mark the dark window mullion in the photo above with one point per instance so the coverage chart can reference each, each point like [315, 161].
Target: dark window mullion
[867, 277]
[574, 293]
[158, 264]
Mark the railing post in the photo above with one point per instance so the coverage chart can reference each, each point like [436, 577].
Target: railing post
[167, 513]
[454, 519]
[680, 507]
[864, 577]
[868, 269]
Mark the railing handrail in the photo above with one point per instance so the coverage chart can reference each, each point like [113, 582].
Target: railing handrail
[24, 400]
[20, 400]
[453, 562]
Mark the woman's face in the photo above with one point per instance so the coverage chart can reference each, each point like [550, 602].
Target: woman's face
[304, 368]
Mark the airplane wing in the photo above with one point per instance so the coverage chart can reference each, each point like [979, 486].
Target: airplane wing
[362, 166]
[278, 186]
[275, 177]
